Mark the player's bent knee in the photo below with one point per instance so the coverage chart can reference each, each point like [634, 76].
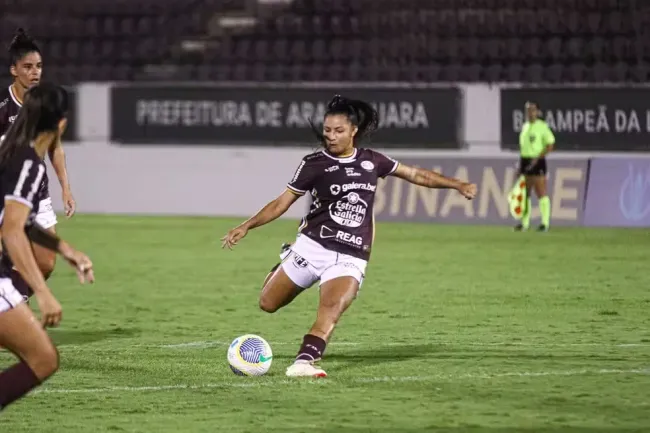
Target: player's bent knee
[44, 361]
[268, 305]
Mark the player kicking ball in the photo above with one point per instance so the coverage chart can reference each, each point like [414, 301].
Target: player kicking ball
[335, 237]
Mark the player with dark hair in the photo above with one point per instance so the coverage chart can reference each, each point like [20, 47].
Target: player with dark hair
[336, 236]
[26, 66]
[536, 140]
[39, 124]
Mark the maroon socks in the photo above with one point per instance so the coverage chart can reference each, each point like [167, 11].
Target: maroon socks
[15, 382]
[312, 348]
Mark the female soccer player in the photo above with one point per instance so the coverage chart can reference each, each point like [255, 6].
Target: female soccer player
[536, 140]
[26, 68]
[38, 125]
[335, 237]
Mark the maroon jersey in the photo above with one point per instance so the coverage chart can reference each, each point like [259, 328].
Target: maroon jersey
[343, 194]
[19, 181]
[9, 108]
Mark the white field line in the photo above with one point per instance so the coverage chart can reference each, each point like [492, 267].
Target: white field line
[215, 343]
[251, 383]
[205, 344]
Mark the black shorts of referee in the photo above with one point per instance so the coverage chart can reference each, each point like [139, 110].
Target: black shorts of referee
[538, 169]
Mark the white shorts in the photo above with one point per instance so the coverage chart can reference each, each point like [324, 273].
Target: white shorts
[308, 261]
[9, 296]
[46, 217]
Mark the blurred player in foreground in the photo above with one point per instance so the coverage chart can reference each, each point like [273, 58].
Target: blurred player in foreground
[26, 68]
[336, 236]
[39, 124]
[536, 140]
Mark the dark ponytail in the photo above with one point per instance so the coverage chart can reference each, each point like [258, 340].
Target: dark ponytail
[21, 45]
[360, 113]
[43, 108]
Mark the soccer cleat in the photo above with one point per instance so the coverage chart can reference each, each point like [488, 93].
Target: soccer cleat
[302, 368]
[542, 228]
[520, 228]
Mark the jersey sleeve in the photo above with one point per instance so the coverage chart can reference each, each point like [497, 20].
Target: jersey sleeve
[549, 137]
[385, 164]
[303, 179]
[23, 179]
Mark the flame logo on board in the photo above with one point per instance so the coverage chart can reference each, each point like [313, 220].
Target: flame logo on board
[634, 197]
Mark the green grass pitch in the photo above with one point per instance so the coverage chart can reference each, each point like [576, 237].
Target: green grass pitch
[457, 329]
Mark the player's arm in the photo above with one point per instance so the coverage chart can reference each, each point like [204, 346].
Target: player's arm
[549, 142]
[18, 246]
[268, 213]
[17, 238]
[431, 179]
[301, 182]
[427, 178]
[272, 210]
[57, 156]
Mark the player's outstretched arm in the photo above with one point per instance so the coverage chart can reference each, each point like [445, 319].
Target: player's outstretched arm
[57, 156]
[17, 244]
[431, 179]
[268, 213]
[76, 259]
[22, 256]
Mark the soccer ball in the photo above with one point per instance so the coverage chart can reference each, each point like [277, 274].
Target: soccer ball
[250, 355]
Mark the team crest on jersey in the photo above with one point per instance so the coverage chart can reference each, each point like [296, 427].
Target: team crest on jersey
[367, 165]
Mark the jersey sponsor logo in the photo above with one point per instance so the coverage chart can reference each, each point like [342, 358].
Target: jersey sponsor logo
[367, 165]
[351, 173]
[331, 169]
[336, 189]
[297, 173]
[355, 185]
[341, 236]
[349, 211]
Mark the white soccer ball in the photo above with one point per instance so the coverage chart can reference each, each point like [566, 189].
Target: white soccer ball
[250, 355]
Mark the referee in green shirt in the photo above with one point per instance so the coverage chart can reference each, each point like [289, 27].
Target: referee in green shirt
[536, 140]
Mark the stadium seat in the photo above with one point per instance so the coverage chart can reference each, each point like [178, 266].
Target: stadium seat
[532, 40]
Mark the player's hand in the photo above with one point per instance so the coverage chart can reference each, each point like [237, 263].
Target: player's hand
[69, 205]
[51, 311]
[82, 264]
[468, 190]
[233, 236]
